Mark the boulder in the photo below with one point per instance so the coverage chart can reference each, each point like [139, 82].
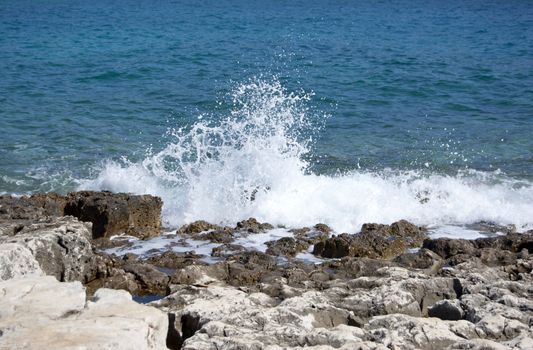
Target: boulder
[286, 246]
[449, 310]
[112, 214]
[253, 226]
[374, 241]
[41, 313]
[17, 260]
[197, 227]
[60, 245]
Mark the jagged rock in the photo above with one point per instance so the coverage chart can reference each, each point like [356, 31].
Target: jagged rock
[216, 236]
[199, 275]
[362, 245]
[286, 246]
[110, 213]
[253, 226]
[226, 317]
[405, 332]
[449, 310]
[422, 259]
[412, 235]
[16, 261]
[61, 246]
[173, 260]
[317, 233]
[227, 250]
[150, 280]
[397, 290]
[374, 241]
[493, 251]
[115, 213]
[197, 227]
[41, 313]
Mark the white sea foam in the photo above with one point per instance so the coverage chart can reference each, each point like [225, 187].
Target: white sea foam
[251, 164]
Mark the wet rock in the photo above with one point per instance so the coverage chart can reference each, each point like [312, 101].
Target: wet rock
[412, 235]
[361, 245]
[446, 247]
[350, 267]
[227, 250]
[253, 226]
[200, 275]
[197, 227]
[311, 236]
[174, 260]
[216, 236]
[449, 310]
[151, 280]
[374, 241]
[422, 259]
[115, 213]
[61, 246]
[286, 246]
[28, 320]
[110, 213]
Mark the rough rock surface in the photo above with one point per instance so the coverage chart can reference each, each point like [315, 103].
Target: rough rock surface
[16, 261]
[374, 241]
[60, 245]
[42, 313]
[110, 213]
[358, 303]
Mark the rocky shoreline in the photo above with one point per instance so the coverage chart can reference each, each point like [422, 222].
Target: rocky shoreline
[384, 287]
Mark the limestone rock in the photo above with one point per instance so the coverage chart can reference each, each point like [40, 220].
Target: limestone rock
[16, 260]
[61, 246]
[449, 310]
[30, 319]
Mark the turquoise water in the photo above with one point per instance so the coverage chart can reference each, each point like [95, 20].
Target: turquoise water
[93, 94]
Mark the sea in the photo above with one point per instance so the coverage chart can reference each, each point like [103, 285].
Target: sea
[292, 112]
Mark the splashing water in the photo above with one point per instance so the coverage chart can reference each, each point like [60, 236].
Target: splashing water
[251, 164]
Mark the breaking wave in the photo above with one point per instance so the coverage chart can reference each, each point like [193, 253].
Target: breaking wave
[252, 163]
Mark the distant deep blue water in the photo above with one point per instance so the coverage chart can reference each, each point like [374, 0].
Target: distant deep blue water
[435, 87]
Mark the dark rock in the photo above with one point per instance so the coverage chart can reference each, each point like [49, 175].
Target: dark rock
[322, 228]
[253, 226]
[216, 236]
[374, 241]
[422, 259]
[174, 260]
[446, 310]
[197, 227]
[412, 235]
[361, 245]
[286, 246]
[110, 213]
[350, 267]
[151, 280]
[446, 247]
[248, 267]
[318, 233]
[226, 250]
